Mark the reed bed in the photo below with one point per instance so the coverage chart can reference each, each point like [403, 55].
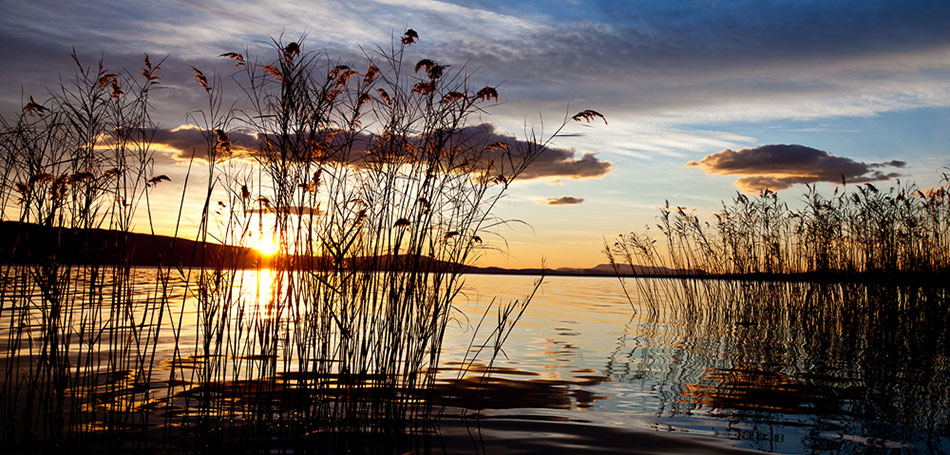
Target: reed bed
[837, 311]
[378, 192]
[903, 232]
[903, 229]
[74, 333]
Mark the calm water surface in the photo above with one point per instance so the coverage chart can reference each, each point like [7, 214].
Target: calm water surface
[792, 369]
[777, 382]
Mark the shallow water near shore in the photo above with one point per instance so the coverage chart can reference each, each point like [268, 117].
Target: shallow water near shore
[847, 369]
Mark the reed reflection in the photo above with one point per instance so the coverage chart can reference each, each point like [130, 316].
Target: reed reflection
[839, 366]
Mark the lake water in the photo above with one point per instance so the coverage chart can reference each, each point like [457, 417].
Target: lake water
[785, 368]
[754, 377]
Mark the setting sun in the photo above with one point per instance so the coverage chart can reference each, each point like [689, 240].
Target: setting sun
[266, 245]
[693, 226]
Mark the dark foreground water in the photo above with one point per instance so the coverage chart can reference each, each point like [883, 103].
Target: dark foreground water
[781, 367]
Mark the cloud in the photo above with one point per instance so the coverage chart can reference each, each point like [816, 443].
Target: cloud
[721, 59]
[565, 200]
[298, 210]
[551, 161]
[188, 139]
[779, 166]
[735, 60]
[638, 62]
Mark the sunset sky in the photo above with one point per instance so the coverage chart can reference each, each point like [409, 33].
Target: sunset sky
[702, 98]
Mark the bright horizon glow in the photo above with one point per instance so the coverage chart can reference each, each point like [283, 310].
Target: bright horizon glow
[265, 245]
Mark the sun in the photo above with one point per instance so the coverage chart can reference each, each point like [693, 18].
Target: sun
[266, 245]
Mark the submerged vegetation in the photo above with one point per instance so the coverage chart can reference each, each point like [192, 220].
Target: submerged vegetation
[377, 191]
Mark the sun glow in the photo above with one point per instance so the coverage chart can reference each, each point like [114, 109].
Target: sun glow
[265, 244]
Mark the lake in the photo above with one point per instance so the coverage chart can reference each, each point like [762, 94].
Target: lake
[774, 381]
[709, 367]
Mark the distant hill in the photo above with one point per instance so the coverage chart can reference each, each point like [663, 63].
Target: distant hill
[599, 270]
[30, 243]
[641, 270]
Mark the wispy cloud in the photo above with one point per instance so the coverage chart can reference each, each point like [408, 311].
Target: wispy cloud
[649, 140]
[779, 166]
[711, 62]
[456, 13]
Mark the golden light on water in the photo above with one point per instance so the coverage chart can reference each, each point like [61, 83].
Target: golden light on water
[266, 291]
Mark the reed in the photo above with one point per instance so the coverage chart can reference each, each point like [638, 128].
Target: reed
[844, 299]
[378, 189]
[76, 333]
[902, 230]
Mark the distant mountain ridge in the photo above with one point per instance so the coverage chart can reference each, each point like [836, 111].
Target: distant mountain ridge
[31, 243]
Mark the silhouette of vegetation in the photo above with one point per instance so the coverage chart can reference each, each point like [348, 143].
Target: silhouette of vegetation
[83, 160]
[375, 193]
[904, 230]
[862, 353]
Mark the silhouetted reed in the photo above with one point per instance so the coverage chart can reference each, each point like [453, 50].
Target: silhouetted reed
[861, 353]
[904, 230]
[76, 333]
[377, 193]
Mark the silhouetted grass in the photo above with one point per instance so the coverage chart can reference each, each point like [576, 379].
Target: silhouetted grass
[376, 194]
[903, 231]
[74, 334]
[861, 353]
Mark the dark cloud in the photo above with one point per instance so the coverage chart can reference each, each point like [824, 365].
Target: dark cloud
[892, 163]
[565, 200]
[550, 162]
[186, 140]
[298, 210]
[779, 166]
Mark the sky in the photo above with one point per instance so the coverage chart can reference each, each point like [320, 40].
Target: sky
[702, 98]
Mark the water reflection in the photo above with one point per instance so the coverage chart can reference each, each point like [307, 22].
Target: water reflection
[833, 367]
[785, 367]
[267, 291]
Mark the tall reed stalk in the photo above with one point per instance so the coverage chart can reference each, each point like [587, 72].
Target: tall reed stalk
[904, 229]
[378, 188]
[902, 233]
[78, 338]
[837, 310]
[378, 191]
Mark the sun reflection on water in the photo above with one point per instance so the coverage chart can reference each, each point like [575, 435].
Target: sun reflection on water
[750, 373]
[266, 291]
